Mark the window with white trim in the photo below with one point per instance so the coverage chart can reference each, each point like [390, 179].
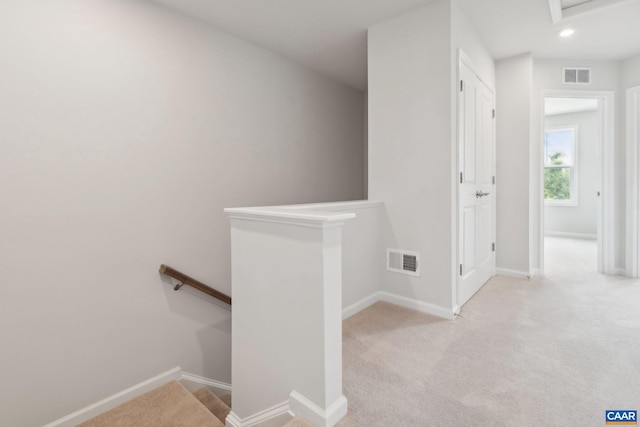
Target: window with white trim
[560, 166]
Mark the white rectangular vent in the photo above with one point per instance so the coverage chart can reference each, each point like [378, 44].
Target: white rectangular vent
[402, 261]
[576, 76]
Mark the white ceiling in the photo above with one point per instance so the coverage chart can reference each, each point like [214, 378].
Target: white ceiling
[330, 35]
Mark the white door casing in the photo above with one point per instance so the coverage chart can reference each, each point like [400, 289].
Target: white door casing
[633, 182]
[476, 185]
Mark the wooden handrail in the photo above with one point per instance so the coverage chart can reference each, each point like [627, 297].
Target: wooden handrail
[186, 280]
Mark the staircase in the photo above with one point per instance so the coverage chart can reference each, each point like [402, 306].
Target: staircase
[172, 405]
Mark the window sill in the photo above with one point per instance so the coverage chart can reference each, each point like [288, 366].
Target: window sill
[559, 203]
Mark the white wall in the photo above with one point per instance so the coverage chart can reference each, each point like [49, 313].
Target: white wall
[412, 141]
[126, 129]
[464, 37]
[409, 93]
[579, 220]
[631, 72]
[523, 189]
[605, 77]
[513, 122]
[363, 253]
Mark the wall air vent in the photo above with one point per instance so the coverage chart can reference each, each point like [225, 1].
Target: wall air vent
[576, 76]
[401, 261]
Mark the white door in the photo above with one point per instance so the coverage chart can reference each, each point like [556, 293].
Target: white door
[476, 191]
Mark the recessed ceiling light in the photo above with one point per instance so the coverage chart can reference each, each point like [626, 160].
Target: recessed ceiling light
[567, 32]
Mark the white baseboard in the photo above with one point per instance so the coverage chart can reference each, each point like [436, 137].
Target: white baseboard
[112, 401]
[360, 305]
[621, 272]
[319, 417]
[571, 235]
[513, 273]
[414, 304]
[194, 382]
[190, 381]
[276, 416]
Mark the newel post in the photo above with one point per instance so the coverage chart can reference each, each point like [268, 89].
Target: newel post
[287, 315]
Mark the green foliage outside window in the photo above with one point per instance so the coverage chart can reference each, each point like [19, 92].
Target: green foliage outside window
[557, 180]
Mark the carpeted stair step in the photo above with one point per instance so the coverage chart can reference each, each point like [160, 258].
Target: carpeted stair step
[168, 406]
[298, 422]
[213, 403]
[226, 398]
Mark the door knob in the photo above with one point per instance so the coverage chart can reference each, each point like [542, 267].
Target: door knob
[481, 194]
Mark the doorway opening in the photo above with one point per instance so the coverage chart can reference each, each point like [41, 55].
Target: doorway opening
[577, 193]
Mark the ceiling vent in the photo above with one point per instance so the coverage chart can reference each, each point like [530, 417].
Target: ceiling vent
[576, 76]
[401, 261]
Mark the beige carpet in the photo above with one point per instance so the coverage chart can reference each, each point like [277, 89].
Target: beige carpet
[570, 259]
[552, 352]
[213, 403]
[298, 422]
[168, 406]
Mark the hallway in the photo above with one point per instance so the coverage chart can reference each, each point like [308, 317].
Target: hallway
[567, 258]
[557, 351]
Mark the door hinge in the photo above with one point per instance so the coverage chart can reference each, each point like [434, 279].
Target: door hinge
[461, 85]
[493, 247]
[493, 113]
[493, 180]
[461, 269]
[460, 177]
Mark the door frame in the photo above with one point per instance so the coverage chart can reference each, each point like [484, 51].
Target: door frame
[633, 182]
[606, 152]
[463, 58]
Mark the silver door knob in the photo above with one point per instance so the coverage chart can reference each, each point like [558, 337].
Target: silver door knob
[481, 194]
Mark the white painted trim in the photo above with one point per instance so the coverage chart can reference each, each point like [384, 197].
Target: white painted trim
[414, 304]
[463, 58]
[305, 408]
[592, 8]
[112, 401]
[307, 218]
[606, 151]
[555, 8]
[358, 306]
[276, 415]
[193, 382]
[571, 235]
[512, 273]
[561, 16]
[633, 182]
[335, 206]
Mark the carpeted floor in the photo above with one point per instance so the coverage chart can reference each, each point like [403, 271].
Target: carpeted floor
[547, 352]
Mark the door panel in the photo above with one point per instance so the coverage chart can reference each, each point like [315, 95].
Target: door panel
[468, 251]
[469, 151]
[476, 188]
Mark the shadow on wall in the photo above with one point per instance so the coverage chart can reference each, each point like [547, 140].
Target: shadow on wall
[198, 307]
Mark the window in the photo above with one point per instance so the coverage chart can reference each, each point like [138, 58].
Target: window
[560, 164]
